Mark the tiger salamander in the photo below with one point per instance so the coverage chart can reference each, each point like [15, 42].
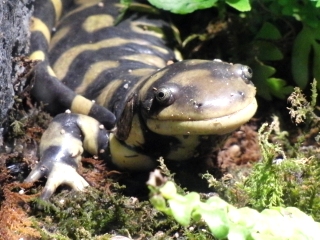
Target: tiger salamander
[153, 108]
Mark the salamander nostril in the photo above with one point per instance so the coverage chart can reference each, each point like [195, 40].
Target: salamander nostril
[242, 95]
[197, 105]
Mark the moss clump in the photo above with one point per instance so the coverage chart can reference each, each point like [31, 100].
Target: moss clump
[288, 173]
[82, 215]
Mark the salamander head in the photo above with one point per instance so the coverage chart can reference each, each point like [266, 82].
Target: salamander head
[198, 97]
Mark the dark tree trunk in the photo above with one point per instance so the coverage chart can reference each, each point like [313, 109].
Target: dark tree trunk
[14, 36]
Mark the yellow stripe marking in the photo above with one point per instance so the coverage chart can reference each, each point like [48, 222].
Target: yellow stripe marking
[83, 2]
[142, 72]
[108, 91]
[93, 72]
[58, 36]
[38, 55]
[50, 71]
[57, 5]
[81, 105]
[62, 65]
[38, 25]
[90, 129]
[151, 60]
[97, 22]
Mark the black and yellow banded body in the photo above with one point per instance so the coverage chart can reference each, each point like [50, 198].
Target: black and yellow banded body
[176, 111]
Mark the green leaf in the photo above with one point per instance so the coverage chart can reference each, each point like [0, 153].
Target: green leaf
[180, 211]
[268, 31]
[240, 5]
[278, 87]
[168, 190]
[316, 61]
[305, 45]
[125, 2]
[261, 73]
[216, 202]
[245, 216]
[143, 8]
[267, 51]
[183, 6]
[217, 222]
[300, 57]
[237, 232]
[266, 85]
[182, 207]
[273, 222]
[159, 203]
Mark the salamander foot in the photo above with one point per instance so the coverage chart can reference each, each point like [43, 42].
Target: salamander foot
[59, 174]
[61, 148]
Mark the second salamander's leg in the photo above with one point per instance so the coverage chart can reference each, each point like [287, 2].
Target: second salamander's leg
[61, 147]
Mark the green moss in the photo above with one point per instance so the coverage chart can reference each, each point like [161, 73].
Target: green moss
[82, 215]
[289, 172]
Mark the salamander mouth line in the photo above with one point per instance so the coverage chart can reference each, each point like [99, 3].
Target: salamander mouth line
[219, 125]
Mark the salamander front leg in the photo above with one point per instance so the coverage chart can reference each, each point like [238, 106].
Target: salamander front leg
[61, 147]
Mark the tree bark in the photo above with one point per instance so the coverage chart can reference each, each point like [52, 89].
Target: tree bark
[14, 37]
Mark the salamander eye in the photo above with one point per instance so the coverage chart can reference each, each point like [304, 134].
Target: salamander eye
[242, 71]
[247, 72]
[164, 96]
